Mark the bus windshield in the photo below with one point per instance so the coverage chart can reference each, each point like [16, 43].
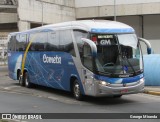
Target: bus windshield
[117, 54]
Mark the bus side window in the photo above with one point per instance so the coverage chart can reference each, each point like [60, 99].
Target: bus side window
[78, 34]
[66, 42]
[9, 42]
[53, 41]
[39, 41]
[12, 43]
[21, 42]
[87, 58]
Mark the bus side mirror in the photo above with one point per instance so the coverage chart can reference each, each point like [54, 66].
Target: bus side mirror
[148, 44]
[92, 46]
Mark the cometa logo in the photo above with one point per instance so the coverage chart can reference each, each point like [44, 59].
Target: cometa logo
[54, 60]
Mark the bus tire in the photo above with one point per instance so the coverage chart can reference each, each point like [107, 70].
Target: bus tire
[21, 81]
[18, 74]
[76, 91]
[27, 82]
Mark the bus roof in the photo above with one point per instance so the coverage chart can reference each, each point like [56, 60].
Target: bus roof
[94, 26]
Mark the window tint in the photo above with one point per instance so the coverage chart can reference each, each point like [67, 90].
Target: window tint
[78, 34]
[39, 41]
[12, 43]
[66, 42]
[21, 42]
[87, 58]
[53, 41]
[84, 49]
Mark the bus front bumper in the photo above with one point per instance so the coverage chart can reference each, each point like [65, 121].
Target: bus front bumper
[119, 89]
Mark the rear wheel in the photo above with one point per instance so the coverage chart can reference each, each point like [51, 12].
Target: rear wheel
[18, 74]
[76, 91]
[21, 81]
[27, 82]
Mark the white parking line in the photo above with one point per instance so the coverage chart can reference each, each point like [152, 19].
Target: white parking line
[10, 87]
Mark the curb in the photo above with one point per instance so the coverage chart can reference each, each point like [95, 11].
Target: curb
[152, 92]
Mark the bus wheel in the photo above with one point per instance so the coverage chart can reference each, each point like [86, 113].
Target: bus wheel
[21, 81]
[76, 91]
[28, 84]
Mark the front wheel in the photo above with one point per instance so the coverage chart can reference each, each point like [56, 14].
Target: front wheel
[27, 82]
[76, 91]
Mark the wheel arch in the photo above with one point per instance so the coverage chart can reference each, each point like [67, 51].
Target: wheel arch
[72, 80]
[18, 73]
[25, 70]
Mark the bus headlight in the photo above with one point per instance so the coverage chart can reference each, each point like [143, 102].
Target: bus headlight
[142, 80]
[104, 83]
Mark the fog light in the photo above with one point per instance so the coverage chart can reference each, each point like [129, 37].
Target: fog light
[103, 83]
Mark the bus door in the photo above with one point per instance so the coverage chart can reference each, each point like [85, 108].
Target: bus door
[89, 51]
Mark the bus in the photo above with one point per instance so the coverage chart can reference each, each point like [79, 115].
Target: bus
[85, 57]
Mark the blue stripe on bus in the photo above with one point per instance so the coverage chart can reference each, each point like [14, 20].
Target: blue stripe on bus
[116, 30]
[119, 80]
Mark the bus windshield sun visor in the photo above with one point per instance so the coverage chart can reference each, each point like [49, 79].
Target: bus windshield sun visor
[128, 40]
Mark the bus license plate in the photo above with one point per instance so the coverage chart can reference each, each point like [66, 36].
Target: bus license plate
[124, 91]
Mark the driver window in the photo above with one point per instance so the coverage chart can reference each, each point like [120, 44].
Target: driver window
[87, 57]
[78, 34]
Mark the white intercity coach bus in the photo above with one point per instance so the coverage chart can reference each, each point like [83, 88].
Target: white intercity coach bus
[87, 57]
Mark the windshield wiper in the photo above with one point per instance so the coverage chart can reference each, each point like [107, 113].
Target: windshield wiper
[121, 57]
[130, 64]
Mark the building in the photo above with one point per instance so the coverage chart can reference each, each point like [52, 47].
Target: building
[8, 23]
[19, 15]
[143, 15]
